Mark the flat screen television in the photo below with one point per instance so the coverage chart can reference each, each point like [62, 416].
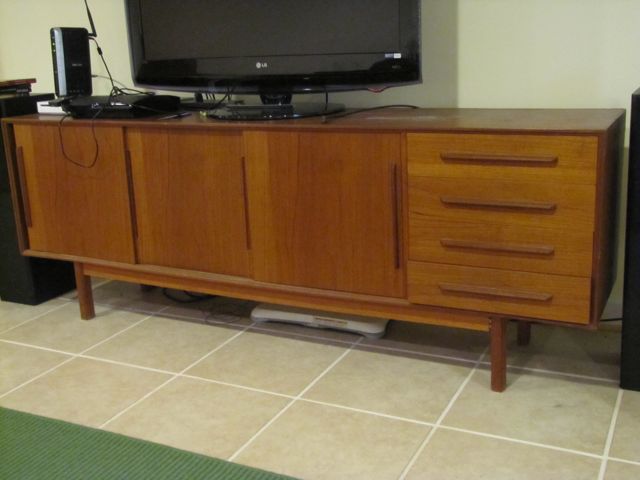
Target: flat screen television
[274, 48]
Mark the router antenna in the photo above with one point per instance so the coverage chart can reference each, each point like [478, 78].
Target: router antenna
[93, 33]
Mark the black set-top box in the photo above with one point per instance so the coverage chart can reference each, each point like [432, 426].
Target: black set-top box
[120, 106]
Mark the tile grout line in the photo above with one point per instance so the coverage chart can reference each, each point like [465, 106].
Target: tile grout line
[34, 318]
[235, 385]
[72, 357]
[37, 347]
[609, 442]
[369, 412]
[87, 357]
[293, 400]
[171, 379]
[622, 460]
[521, 442]
[445, 412]
[422, 354]
[556, 373]
[125, 364]
[486, 363]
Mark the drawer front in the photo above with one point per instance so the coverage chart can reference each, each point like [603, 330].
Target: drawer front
[520, 294]
[544, 205]
[520, 248]
[558, 159]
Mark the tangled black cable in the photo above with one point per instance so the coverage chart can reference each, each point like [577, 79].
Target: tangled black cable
[95, 142]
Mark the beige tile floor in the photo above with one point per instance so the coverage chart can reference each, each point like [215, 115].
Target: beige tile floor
[318, 404]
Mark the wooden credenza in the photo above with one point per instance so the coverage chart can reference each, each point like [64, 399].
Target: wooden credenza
[462, 218]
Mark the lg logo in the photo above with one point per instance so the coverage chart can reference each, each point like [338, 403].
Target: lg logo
[260, 65]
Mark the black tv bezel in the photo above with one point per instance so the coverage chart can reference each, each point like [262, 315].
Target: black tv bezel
[222, 75]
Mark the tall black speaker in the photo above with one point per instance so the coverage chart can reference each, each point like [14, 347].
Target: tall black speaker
[630, 362]
[24, 280]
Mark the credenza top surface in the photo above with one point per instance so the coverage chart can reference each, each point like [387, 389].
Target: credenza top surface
[578, 121]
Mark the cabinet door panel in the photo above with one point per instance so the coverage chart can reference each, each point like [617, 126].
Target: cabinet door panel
[325, 210]
[190, 200]
[76, 183]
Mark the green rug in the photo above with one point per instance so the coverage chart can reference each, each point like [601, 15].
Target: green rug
[33, 447]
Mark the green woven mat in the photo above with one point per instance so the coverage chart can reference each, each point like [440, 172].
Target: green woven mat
[33, 447]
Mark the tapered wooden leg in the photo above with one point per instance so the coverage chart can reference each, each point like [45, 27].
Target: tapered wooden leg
[498, 334]
[85, 294]
[524, 333]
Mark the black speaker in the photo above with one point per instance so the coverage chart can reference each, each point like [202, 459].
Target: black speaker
[24, 280]
[71, 61]
[630, 361]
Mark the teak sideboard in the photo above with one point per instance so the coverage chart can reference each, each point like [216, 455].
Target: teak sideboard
[454, 217]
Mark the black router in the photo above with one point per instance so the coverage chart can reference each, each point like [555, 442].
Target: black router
[121, 106]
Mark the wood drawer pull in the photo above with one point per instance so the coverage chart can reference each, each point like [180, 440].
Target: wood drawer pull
[515, 160]
[24, 192]
[245, 194]
[133, 210]
[494, 292]
[396, 209]
[481, 203]
[498, 247]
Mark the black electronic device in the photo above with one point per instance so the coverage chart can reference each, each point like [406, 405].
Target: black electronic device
[121, 106]
[276, 48]
[242, 112]
[630, 362]
[71, 61]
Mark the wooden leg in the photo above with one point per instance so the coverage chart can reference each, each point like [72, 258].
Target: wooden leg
[524, 333]
[85, 294]
[498, 334]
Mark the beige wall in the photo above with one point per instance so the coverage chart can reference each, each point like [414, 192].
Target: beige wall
[477, 53]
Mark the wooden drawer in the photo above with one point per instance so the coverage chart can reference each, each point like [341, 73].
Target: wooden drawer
[544, 204]
[548, 158]
[520, 294]
[509, 247]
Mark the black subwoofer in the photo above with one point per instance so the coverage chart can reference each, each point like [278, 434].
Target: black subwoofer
[630, 366]
[24, 280]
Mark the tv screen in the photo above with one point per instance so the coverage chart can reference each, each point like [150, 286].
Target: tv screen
[258, 46]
